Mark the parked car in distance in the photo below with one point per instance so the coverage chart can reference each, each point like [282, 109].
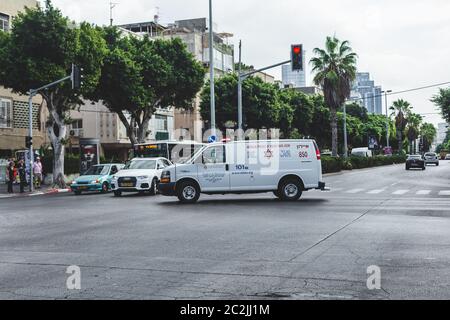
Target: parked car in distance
[447, 157]
[97, 178]
[431, 158]
[415, 161]
[362, 152]
[139, 175]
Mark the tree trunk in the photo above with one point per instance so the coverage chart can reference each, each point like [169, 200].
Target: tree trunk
[142, 130]
[400, 141]
[129, 127]
[334, 133]
[57, 132]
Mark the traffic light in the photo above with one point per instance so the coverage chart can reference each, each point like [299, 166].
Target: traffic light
[28, 142]
[297, 57]
[77, 77]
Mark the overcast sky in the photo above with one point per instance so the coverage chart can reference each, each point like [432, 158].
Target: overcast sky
[404, 44]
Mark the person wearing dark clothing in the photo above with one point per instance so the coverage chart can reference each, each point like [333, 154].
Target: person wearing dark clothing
[10, 174]
[22, 175]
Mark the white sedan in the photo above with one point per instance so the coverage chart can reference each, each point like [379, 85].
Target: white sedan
[139, 175]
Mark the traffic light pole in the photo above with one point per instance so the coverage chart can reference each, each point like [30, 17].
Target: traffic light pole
[241, 78]
[34, 92]
[30, 119]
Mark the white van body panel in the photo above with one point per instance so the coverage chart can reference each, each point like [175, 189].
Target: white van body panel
[251, 166]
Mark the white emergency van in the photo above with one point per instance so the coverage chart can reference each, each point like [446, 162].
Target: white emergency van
[285, 167]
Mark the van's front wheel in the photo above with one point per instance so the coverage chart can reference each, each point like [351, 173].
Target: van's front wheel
[290, 190]
[188, 192]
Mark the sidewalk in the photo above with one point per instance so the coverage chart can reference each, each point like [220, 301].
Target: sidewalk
[42, 191]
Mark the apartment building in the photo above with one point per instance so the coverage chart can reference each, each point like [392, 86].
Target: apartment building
[194, 33]
[14, 126]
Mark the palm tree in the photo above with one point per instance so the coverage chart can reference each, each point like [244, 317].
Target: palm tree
[413, 130]
[335, 69]
[400, 109]
[428, 132]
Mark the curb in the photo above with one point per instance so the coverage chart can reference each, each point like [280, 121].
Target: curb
[39, 193]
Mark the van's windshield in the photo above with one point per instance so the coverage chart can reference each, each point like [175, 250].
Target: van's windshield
[191, 159]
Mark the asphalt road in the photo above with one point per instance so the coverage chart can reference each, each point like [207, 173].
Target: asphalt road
[236, 247]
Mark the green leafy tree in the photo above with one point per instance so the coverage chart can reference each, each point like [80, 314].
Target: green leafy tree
[301, 110]
[335, 70]
[428, 132]
[39, 50]
[261, 107]
[400, 109]
[140, 75]
[356, 110]
[442, 100]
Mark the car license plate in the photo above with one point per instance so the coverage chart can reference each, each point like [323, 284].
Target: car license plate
[127, 184]
[82, 187]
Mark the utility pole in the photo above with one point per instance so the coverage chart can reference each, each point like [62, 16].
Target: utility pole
[345, 132]
[211, 70]
[30, 124]
[240, 125]
[112, 5]
[387, 116]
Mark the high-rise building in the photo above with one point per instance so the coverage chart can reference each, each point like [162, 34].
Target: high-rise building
[367, 93]
[293, 79]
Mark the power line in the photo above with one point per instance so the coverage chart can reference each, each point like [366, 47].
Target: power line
[400, 92]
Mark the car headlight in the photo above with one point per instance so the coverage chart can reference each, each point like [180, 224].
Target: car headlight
[95, 182]
[143, 177]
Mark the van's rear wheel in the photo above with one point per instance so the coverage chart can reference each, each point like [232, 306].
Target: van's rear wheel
[188, 192]
[290, 190]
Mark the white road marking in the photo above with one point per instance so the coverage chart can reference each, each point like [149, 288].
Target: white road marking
[335, 189]
[37, 194]
[355, 190]
[376, 191]
[423, 192]
[5, 196]
[444, 193]
[400, 192]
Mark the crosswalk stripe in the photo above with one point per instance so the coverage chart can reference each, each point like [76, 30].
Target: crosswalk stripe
[355, 190]
[423, 192]
[376, 191]
[400, 192]
[444, 193]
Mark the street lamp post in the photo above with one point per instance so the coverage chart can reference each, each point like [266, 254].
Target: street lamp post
[211, 70]
[345, 132]
[387, 116]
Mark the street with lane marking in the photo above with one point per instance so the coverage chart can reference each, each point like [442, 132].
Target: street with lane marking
[236, 246]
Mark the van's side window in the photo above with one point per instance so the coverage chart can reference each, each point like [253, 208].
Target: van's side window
[214, 155]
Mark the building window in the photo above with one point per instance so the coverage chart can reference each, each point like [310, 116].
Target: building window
[161, 123]
[4, 22]
[76, 128]
[6, 113]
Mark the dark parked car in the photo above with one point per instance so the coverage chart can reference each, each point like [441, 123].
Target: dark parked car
[415, 161]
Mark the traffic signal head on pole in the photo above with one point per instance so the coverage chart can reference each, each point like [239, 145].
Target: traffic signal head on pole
[77, 77]
[297, 57]
[28, 142]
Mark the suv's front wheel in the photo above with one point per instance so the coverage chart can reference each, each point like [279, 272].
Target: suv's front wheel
[188, 192]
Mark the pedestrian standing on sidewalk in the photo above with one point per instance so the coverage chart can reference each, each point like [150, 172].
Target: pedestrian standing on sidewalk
[10, 175]
[37, 170]
[22, 175]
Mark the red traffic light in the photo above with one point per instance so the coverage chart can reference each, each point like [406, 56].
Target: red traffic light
[297, 50]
